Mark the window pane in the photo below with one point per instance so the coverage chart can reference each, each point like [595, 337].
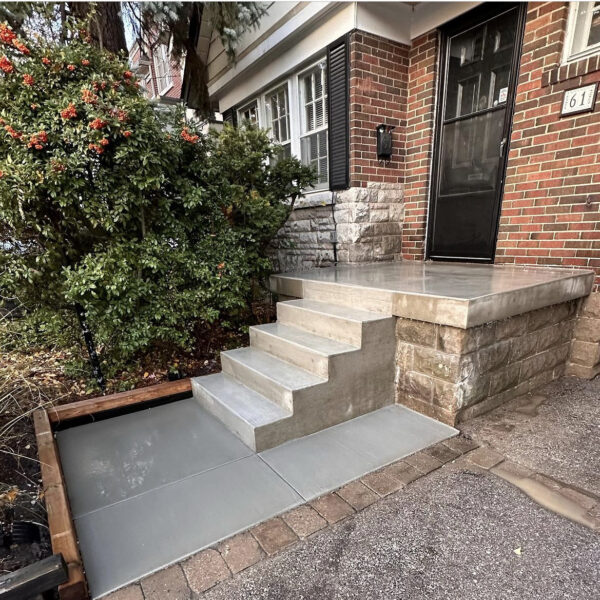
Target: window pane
[587, 26]
[314, 154]
[310, 117]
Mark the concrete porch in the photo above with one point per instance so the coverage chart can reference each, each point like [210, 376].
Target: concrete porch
[468, 337]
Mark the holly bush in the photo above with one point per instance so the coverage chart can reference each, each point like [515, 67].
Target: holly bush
[126, 211]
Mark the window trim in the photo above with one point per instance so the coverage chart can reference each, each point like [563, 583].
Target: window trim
[295, 106]
[168, 79]
[568, 55]
[290, 111]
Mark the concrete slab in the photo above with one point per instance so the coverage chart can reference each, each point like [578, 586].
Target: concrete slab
[457, 294]
[328, 459]
[130, 539]
[152, 487]
[112, 460]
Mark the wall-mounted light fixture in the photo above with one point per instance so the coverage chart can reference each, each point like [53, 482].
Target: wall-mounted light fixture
[384, 142]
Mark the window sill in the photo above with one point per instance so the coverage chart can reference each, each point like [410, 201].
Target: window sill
[571, 70]
[316, 198]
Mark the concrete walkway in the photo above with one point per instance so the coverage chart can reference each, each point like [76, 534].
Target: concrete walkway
[464, 530]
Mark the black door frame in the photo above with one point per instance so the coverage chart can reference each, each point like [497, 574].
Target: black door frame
[460, 24]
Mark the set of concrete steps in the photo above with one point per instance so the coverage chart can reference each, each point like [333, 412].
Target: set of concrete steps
[320, 364]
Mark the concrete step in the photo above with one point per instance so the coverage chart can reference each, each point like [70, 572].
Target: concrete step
[298, 346]
[272, 377]
[252, 417]
[340, 323]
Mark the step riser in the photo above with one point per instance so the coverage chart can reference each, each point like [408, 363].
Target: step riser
[233, 422]
[290, 352]
[372, 300]
[329, 326]
[257, 382]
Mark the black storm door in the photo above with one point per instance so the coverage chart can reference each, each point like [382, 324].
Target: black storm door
[480, 55]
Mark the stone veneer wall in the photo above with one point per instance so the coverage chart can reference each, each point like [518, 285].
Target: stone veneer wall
[585, 349]
[306, 241]
[455, 374]
[369, 222]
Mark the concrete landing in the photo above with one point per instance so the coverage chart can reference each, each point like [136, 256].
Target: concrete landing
[154, 486]
[456, 294]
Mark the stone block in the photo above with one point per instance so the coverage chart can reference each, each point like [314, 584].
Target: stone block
[587, 330]
[550, 315]
[382, 483]
[585, 353]
[416, 332]
[418, 385]
[274, 535]
[240, 552]
[442, 452]
[204, 570]
[131, 592]
[332, 508]
[504, 379]
[403, 472]
[304, 521]
[485, 457]
[462, 341]
[544, 361]
[446, 394]
[493, 357]
[437, 364]
[357, 495]
[575, 370]
[461, 444]
[430, 410]
[511, 327]
[473, 389]
[166, 583]
[404, 356]
[590, 307]
[423, 462]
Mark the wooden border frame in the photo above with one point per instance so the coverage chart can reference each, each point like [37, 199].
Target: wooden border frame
[60, 521]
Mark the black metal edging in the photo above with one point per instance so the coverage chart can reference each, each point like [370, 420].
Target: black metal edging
[34, 579]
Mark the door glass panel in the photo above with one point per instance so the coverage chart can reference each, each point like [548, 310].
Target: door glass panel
[470, 154]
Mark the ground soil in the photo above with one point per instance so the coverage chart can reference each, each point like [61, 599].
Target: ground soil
[30, 380]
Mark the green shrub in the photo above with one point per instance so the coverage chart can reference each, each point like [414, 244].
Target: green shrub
[148, 225]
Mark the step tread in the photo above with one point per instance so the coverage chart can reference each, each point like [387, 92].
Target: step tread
[336, 310]
[247, 404]
[320, 345]
[283, 373]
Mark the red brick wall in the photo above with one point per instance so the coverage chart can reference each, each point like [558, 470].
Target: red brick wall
[552, 193]
[419, 134]
[378, 91]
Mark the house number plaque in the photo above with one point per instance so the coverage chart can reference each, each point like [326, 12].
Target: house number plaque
[579, 100]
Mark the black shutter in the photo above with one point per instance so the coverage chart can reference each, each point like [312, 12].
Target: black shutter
[338, 108]
[230, 116]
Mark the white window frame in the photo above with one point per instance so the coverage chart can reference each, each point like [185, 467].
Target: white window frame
[568, 54]
[290, 110]
[164, 59]
[296, 116]
[256, 102]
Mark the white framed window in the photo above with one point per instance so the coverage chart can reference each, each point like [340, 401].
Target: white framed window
[277, 117]
[249, 112]
[294, 111]
[312, 87]
[583, 31]
[162, 68]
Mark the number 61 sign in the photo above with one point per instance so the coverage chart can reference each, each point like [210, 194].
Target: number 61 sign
[579, 100]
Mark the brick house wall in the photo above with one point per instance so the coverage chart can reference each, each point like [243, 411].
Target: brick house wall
[422, 74]
[552, 192]
[378, 93]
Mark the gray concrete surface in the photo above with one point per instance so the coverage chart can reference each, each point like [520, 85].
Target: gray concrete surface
[452, 534]
[555, 432]
[458, 294]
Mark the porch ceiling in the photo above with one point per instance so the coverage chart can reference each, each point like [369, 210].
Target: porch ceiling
[457, 294]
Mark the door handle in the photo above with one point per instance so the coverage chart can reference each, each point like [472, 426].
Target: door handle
[502, 146]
